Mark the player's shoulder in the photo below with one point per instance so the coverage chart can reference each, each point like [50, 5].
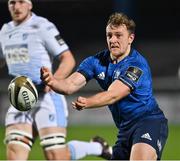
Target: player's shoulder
[137, 57]
[102, 57]
[103, 54]
[137, 63]
[42, 22]
[6, 27]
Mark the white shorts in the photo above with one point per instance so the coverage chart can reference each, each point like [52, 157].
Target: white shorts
[50, 111]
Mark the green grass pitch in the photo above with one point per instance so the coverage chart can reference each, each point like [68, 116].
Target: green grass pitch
[171, 151]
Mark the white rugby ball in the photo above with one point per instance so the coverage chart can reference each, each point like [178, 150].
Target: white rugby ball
[22, 93]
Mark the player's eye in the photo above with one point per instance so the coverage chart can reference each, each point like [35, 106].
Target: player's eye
[118, 35]
[12, 2]
[108, 35]
[21, 1]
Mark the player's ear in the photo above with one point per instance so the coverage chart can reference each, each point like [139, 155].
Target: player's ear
[30, 6]
[131, 38]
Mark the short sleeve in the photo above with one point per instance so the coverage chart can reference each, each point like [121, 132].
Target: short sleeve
[132, 76]
[1, 52]
[52, 39]
[86, 68]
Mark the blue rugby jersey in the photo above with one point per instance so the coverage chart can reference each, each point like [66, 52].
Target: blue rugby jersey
[133, 71]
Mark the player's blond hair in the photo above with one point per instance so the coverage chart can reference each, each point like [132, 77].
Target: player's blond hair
[117, 19]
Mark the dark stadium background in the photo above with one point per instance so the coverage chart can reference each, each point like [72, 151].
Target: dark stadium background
[82, 22]
[82, 25]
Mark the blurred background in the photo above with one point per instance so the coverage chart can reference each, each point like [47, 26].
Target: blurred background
[82, 24]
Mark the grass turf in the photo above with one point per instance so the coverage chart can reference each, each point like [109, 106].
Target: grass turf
[85, 133]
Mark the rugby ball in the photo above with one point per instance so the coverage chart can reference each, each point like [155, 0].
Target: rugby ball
[22, 93]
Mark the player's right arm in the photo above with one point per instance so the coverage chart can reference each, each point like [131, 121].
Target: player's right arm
[2, 60]
[64, 86]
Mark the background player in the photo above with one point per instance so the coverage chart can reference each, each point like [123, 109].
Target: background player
[124, 75]
[29, 42]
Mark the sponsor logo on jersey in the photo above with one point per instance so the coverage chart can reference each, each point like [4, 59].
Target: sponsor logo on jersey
[133, 73]
[13, 34]
[101, 76]
[146, 136]
[17, 54]
[59, 40]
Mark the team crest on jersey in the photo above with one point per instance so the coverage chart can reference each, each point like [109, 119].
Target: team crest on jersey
[133, 73]
[51, 117]
[35, 26]
[117, 74]
[59, 40]
[50, 27]
[25, 36]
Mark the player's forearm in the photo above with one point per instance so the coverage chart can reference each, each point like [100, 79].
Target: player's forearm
[101, 99]
[116, 91]
[67, 64]
[64, 70]
[60, 86]
[64, 86]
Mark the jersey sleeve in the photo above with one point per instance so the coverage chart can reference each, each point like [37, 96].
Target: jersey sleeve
[133, 75]
[86, 68]
[1, 52]
[52, 39]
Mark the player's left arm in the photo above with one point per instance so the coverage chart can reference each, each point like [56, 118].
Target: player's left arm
[2, 63]
[66, 65]
[57, 48]
[116, 91]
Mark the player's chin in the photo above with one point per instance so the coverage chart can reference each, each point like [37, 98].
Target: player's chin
[115, 52]
[18, 18]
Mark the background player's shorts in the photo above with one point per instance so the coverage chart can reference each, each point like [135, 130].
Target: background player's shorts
[50, 111]
[151, 131]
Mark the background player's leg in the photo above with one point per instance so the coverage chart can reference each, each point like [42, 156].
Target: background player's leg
[55, 147]
[53, 143]
[19, 141]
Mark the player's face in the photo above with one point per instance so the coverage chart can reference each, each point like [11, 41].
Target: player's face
[20, 10]
[119, 40]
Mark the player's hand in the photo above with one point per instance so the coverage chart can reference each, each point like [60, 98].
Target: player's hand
[47, 77]
[47, 89]
[80, 103]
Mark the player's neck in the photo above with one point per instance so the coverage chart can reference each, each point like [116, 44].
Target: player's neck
[116, 60]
